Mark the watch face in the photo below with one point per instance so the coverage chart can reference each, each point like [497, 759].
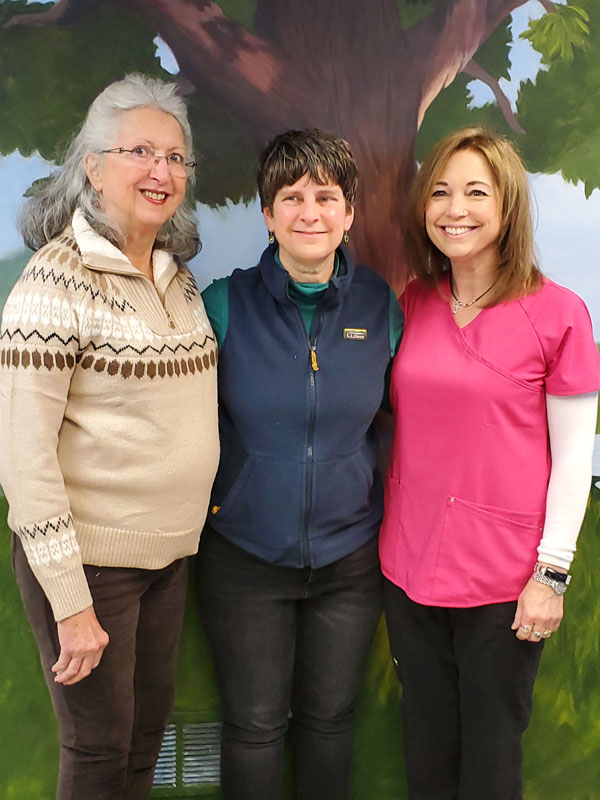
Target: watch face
[554, 575]
[551, 577]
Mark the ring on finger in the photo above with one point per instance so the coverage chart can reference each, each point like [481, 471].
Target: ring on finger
[537, 634]
[526, 628]
[547, 633]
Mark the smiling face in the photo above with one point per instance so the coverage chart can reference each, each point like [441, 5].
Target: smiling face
[462, 214]
[308, 220]
[139, 200]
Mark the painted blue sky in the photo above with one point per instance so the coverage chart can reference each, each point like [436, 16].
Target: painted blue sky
[568, 227]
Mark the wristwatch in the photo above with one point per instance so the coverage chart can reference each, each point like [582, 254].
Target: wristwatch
[551, 577]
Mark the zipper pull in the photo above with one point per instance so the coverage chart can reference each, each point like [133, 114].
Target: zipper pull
[170, 319]
[313, 359]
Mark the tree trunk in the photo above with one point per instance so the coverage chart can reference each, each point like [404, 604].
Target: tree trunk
[337, 66]
[377, 237]
[311, 64]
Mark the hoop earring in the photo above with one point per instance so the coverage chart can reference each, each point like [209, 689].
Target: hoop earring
[271, 238]
[346, 238]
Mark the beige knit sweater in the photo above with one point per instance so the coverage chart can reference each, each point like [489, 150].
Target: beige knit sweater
[108, 413]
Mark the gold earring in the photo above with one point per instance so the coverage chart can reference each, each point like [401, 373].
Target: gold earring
[346, 237]
[271, 237]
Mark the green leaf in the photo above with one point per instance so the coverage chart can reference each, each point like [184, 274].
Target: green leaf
[241, 11]
[556, 35]
[51, 74]
[413, 11]
[226, 153]
[494, 54]
[37, 186]
[559, 111]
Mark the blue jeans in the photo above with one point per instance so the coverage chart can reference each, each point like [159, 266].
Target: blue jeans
[290, 646]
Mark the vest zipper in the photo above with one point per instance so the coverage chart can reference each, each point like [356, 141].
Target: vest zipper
[312, 390]
[313, 359]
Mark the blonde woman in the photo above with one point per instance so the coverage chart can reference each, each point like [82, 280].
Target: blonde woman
[494, 393]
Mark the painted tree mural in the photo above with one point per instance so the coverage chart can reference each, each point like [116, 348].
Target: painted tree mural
[373, 72]
[391, 76]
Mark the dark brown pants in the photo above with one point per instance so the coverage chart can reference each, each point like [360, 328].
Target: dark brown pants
[112, 722]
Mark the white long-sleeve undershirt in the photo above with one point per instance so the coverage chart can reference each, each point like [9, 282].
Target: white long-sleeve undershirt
[571, 428]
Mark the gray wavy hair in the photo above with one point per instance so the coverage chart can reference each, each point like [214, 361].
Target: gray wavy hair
[49, 210]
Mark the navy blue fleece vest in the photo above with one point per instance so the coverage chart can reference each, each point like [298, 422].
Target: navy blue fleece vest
[297, 481]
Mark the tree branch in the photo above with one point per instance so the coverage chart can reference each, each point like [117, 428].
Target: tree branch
[476, 71]
[218, 54]
[499, 10]
[308, 66]
[451, 36]
[549, 6]
[202, 25]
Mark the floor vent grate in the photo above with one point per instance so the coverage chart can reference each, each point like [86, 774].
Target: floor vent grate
[190, 756]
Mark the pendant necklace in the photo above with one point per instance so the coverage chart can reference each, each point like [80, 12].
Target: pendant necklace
[458, 304]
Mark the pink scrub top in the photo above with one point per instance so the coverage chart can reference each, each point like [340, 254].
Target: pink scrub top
[466, 487]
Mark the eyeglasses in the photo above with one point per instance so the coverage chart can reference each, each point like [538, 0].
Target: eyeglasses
[144, 157]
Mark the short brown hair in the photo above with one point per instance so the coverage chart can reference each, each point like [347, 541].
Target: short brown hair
[518, 271]
[293, 154]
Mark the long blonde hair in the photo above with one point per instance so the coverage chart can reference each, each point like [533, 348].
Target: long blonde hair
[518, 272]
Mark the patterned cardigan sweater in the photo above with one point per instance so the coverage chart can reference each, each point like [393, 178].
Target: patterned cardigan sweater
[108, 413]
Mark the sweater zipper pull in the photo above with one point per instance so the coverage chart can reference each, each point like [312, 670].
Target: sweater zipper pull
[169, 318]
[313, 359]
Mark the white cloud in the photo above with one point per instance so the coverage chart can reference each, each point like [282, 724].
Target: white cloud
[567, 238]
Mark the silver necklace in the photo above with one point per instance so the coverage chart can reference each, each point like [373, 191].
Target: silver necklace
[458, 304]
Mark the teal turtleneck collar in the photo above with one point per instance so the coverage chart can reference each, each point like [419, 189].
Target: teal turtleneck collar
[306, 296]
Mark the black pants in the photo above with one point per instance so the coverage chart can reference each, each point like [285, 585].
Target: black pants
[287, 643]
[111, 723]
[467, 688]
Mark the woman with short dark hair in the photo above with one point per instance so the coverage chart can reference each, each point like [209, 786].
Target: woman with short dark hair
[288, 576]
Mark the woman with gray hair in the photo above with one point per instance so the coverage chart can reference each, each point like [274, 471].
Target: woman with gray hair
[108, 426]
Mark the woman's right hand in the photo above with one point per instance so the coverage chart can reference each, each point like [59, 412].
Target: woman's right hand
[82, 641]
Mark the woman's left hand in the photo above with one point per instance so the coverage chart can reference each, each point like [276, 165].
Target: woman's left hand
[539, 612]
[82, 641]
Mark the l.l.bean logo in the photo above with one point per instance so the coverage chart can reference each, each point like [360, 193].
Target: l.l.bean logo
[356, 334]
